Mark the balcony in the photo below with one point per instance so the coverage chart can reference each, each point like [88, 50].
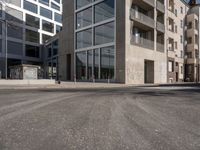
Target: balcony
[160, 27]
[142, 18]
[150, 2]
[142, 42]
[160, 7]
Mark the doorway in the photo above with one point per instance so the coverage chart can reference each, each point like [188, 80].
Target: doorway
[148, 72]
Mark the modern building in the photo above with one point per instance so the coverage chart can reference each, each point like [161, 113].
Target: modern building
[29, 24]
[130, 41]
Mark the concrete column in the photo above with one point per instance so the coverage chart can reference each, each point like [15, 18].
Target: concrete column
[155, 31]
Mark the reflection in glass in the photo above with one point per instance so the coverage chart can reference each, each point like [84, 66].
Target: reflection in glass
[81, 65]
[89, 65]
[104, 10]
[107, 63]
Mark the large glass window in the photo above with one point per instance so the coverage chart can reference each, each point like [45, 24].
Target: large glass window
[32, 21]
[47, 26]
[30, 7]
[81, 3]
[107, 63]
[89, 65]
[104, 10]
[84, 39]
[15, 48]
[45, 38]
[45, 13]
[81, 65]
[15, 32]
[32, 36]
[84, 18]
[32, 51]
[96, 63]
[104, 33]
[58, 28]
[58, 17]
[55, 6]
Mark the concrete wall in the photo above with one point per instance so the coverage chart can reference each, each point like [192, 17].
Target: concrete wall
[67, 39]
[120, 41]
[136, 56]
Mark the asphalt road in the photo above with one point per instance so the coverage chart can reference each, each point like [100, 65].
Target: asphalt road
[109, 119]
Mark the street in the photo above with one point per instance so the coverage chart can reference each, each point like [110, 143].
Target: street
[128, 118]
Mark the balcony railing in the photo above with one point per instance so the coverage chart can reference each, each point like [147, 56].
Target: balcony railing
[161, 27]
[142, 18]
[142, 42]
[160, 6]
[160, 47]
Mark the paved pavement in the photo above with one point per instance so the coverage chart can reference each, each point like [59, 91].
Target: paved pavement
[128, 118]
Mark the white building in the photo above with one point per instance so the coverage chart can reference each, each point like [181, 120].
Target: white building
[30, 24]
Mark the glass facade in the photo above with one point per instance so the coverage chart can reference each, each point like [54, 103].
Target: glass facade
[95, 40]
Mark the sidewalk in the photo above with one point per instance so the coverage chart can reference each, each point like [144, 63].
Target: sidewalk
[89, 85]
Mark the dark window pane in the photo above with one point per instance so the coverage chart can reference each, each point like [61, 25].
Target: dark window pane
[45, 38]
[46, 2]
[58, 28]
[32, 21]
[107, 63]
[32, 36]
[84, 18]
[104, 33]
[32, 51]
[15, 48]
[89, 64]
[104, 10]
[47, 26]
[15, 32]
[84, 39]
[96, 63]
[81, 65]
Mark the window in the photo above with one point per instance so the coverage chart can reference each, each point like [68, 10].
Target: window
[15, 48]
[104, 33]
[84, 18]
[104, 10]
[89, 64]
[181, 23]
[45, 38]
[189, 25]
[15, 32]
[96, 58]
[170, 66]
[196, 53]
[15, 2]
[81, 3]
[45, 13]
[55, 47]
[58, 17]
[32, 21]
[30, 7]
[32, 36]
[46, 2]
[176, 45]
[189, 40]
[81, 65]
[58, 28]
[84, 39]
[54, 6]
[32, 51]
[181, 10]
[47, 26]
[107, 63]
[189, 54]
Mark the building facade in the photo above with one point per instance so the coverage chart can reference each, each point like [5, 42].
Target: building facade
[29, 24]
